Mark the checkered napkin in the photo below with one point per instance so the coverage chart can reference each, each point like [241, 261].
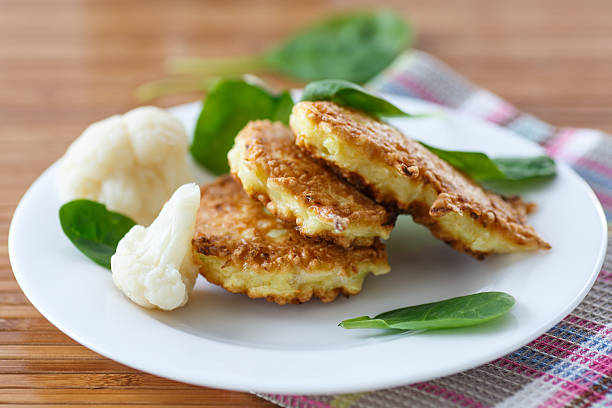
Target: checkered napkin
[571, 364]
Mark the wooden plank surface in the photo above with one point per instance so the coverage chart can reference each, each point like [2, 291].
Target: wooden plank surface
[66, 63]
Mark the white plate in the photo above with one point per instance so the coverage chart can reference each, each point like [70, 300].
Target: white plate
[229, 341]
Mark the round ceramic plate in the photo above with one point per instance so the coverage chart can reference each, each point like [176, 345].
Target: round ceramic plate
[229, 341]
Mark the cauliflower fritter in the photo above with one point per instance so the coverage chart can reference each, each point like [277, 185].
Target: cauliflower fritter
[399, 172]
[302, 191]
[242, 247]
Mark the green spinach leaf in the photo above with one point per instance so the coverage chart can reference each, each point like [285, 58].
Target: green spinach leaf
[481, 167]
[461, 311]
[93, 229]
[475, 164]
[229, 106]
[346, 93]
[523, 168]
[354, 47]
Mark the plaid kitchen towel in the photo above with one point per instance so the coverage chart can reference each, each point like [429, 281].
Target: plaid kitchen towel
[571, 364]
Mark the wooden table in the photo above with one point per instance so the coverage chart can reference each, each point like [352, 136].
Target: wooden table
[67, 63]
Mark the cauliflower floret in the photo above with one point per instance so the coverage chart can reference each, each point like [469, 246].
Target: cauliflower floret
[132, 163]
[153, 266]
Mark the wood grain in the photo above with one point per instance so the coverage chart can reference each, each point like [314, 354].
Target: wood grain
[67, 63]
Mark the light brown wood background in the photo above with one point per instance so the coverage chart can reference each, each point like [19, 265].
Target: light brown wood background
[67, 63]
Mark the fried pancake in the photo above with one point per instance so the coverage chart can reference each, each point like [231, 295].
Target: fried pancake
[398, 171]
[240, 246]
[302, 191]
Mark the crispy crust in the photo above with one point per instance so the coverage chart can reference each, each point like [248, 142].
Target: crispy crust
[438, 192]
[302, 296]
[270, 167]
[245, 249]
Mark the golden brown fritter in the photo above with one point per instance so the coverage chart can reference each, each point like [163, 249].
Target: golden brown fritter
[302, 191]
[241, 246]
[398, 171]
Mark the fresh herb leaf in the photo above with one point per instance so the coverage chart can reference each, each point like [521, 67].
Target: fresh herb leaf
[346, 93]
[461, 311]
[354, 47]
[229, 106]
[93, 229]
[475, 164]
[522, 168]
[481, 167]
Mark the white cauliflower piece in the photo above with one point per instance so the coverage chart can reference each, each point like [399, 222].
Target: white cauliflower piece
[131, 162]
[153, 266]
